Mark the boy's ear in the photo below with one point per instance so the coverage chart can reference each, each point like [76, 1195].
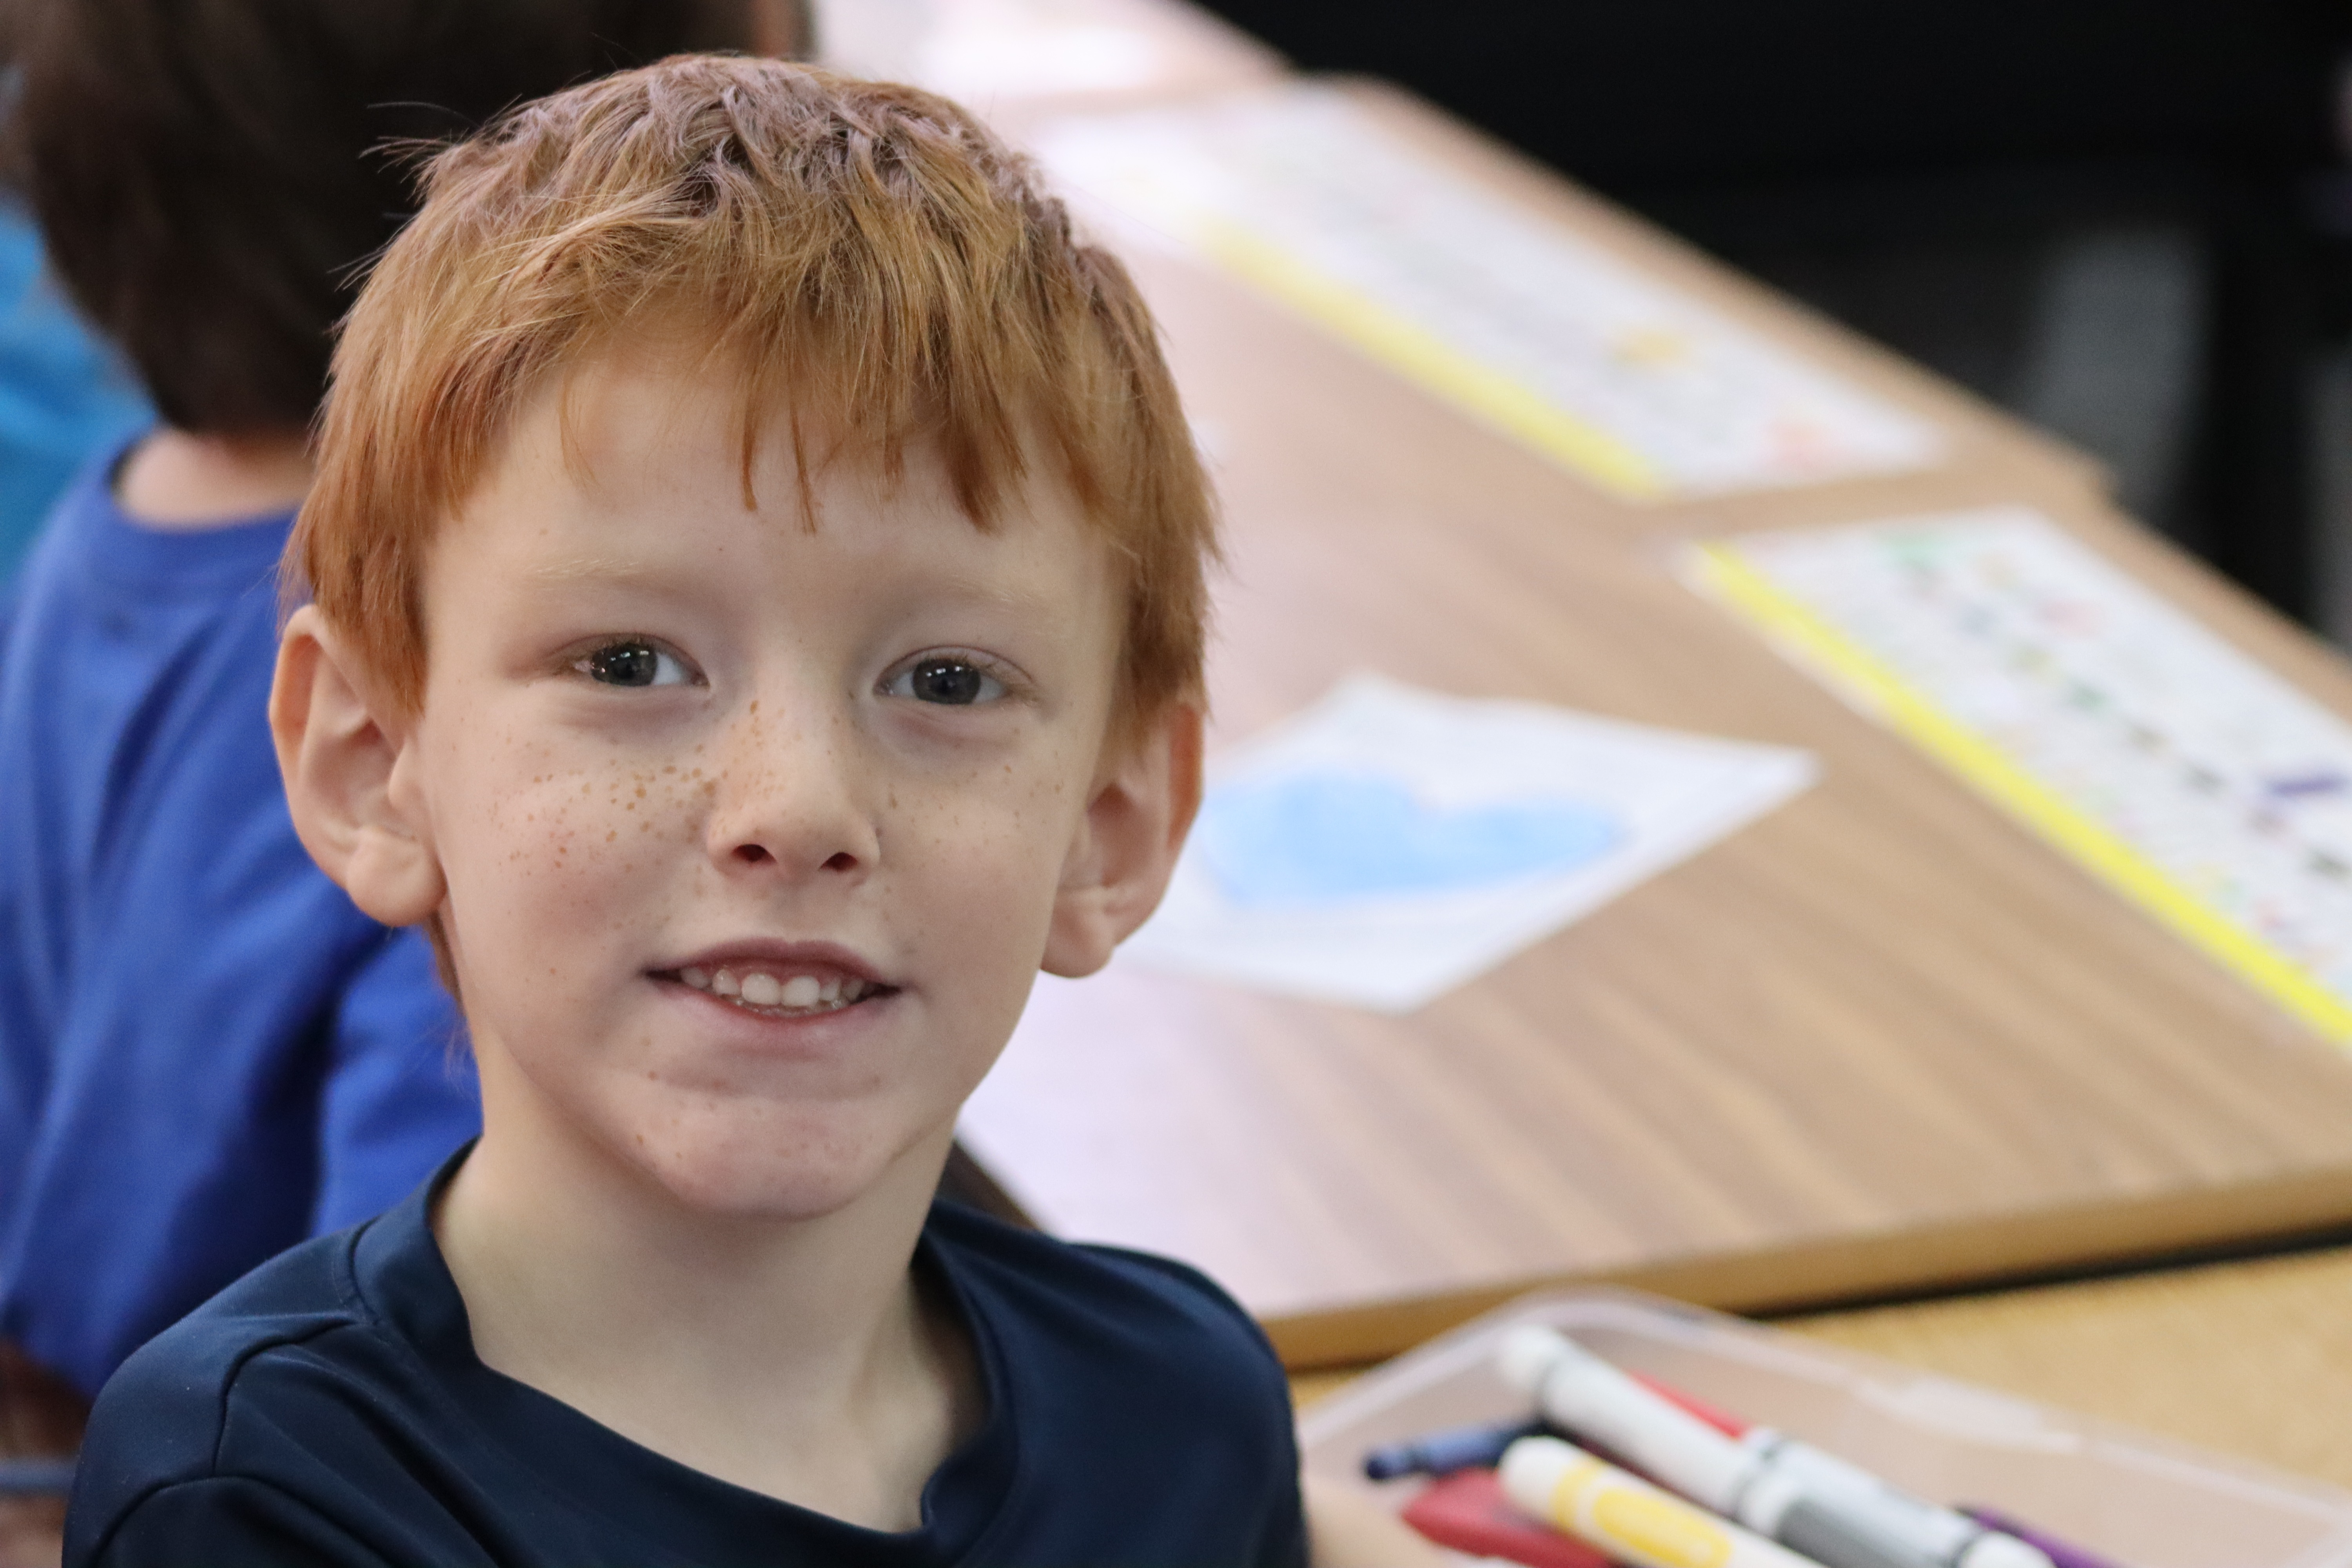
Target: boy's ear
[1127, 846]
[342, 761]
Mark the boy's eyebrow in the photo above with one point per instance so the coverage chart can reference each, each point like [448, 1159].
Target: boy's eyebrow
[673, 578]
[580, 568]
[1019, 598]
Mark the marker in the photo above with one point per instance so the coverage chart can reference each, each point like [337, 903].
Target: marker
[1729, 1426]
[1577, 1390]
[1626, 1517]
[36, 1478]
[1444, 1452]
[2058, 1552]
[1847, 1517]
[1836, 1513]
[1449, 1449]
[1469, 1512]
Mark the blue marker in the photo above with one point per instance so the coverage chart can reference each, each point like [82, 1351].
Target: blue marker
[1444, 1453]
[36, 1478]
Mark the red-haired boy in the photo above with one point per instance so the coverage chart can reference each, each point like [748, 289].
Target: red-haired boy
[206, 1053]
[758, 561]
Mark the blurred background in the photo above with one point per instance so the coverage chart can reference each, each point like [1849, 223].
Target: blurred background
[2128, 221]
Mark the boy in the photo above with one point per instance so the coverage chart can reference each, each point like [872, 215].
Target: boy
[758, 569]
[206, 1053]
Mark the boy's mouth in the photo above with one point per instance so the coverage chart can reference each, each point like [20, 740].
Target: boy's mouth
[779, 990]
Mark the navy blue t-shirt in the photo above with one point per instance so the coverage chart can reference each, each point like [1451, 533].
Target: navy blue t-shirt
[206, 1052]
[329, 1410]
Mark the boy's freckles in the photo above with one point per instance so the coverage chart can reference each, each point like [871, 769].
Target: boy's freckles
[774, 797]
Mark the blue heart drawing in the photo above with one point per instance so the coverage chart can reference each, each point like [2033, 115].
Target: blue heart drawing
[1328, 837]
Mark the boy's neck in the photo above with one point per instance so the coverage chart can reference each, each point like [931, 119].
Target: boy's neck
[175, 481]
[800, 1359]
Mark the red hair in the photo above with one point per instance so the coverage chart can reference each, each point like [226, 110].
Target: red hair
[837, 244]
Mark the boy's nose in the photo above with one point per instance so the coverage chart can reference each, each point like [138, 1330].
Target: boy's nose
[788, 801]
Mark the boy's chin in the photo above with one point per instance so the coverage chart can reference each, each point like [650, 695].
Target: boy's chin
[790, 1181]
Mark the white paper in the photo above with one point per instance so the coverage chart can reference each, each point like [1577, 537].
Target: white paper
[2226, 781]
[1388, 843]
[1518, 318]
[982, 49]
[883, 39]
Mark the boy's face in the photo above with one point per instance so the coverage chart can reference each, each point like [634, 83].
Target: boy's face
[754, 836]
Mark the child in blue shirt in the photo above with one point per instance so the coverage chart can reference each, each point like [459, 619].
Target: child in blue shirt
[758, 560]
[61, 397]
[207, 1051]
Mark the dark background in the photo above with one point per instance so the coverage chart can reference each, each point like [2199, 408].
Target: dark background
[2129, 222]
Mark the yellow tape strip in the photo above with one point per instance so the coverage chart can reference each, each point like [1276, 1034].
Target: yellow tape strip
[1436, 364]
[1817, 644]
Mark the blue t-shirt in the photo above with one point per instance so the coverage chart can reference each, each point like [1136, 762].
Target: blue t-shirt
[329, 1410]
[63, 396]
[206, 1052]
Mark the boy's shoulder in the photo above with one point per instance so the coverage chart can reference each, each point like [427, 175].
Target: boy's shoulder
[1131, 1381]
[286, 1419]
[189, 1383]
[176, 1417]
[1078, 1282]
[183, 1381]
[1076, 1300]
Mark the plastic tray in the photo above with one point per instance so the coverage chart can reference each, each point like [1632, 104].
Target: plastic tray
[2142, 1501]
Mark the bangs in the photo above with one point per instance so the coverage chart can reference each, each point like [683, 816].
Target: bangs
[864, 261]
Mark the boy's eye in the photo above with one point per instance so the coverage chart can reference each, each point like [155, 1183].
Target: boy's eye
[633, 661]
[945, 680]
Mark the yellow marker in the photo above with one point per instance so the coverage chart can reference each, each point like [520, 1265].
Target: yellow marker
[1626, 1517]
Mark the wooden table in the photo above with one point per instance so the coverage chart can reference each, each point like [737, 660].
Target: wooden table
[2251, 1358]
[1880, 1040]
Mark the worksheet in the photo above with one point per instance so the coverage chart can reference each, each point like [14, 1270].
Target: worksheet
[1506, 314]
[976, 51]
[1388, 843]
[2196, 782]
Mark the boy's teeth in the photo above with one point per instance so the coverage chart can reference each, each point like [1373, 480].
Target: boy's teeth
[759, 988]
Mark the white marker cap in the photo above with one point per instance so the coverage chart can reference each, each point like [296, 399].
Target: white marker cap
[1530, 1472]
[1997, 1551]
[1527, 1355]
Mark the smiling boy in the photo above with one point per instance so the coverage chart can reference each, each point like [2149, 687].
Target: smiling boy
[757, 560]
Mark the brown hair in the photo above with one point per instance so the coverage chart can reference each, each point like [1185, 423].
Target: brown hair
[210, 178]
[865, 249]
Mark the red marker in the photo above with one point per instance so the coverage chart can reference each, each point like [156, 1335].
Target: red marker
[1729, 1426]
[1469, 1512]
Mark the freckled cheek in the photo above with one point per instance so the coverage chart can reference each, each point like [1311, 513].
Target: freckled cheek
[574, 835]
[516, 849]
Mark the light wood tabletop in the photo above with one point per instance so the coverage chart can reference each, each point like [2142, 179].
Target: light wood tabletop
[1881, 1039]
[2251, 1358]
